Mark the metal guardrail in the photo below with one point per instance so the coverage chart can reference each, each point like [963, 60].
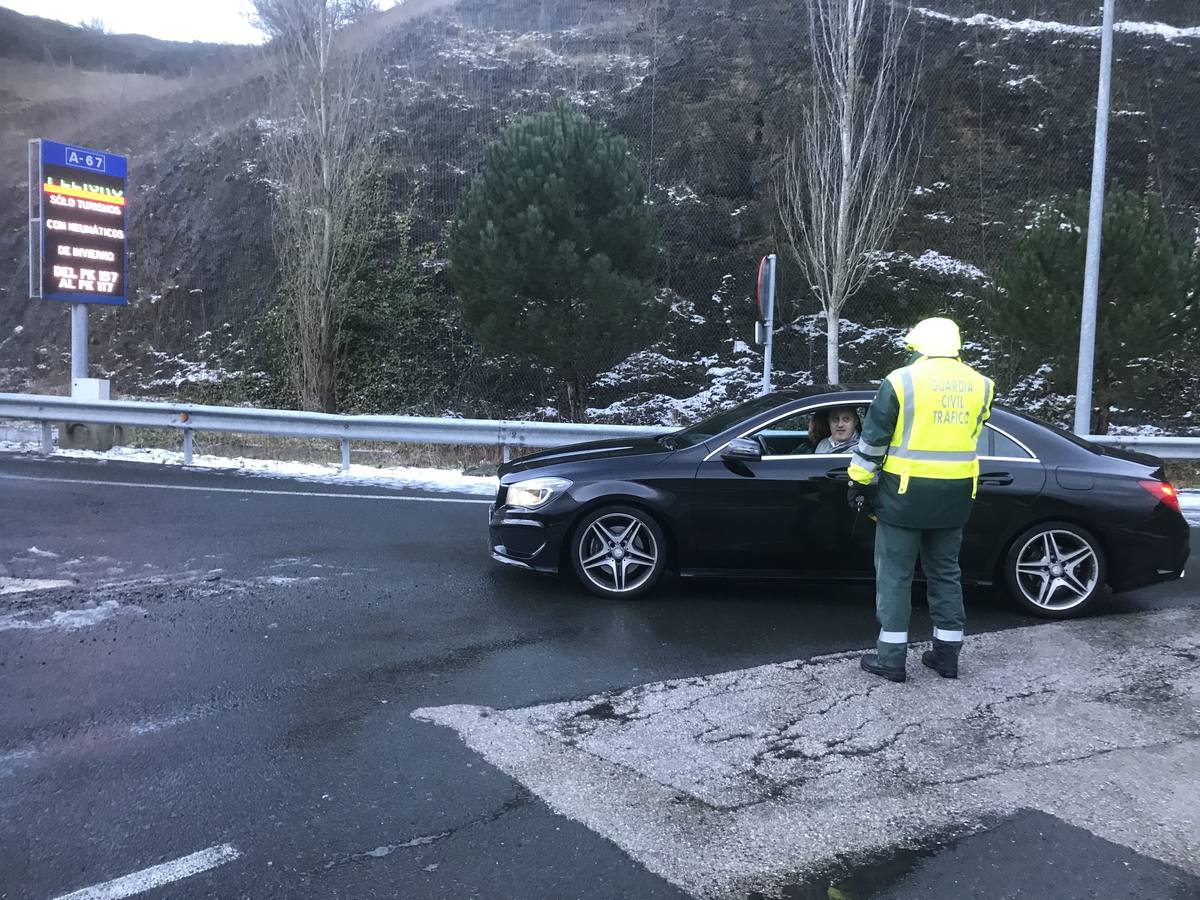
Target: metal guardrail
[1155, 445]
[509, 435]
[189, 418]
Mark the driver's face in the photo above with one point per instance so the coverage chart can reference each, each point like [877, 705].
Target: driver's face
[841, 424]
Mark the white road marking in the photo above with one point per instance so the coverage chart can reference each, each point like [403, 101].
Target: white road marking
[229, 490]
[155, 876]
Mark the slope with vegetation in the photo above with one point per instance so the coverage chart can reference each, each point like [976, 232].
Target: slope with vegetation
[704, 92]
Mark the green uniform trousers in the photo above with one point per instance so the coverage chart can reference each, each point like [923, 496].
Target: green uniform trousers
[896, 551]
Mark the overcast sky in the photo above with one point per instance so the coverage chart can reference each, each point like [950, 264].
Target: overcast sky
[220, 21]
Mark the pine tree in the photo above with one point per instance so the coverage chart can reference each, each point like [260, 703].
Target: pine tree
[553, 252]
[1147, 298]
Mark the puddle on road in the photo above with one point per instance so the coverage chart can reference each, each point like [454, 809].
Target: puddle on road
[864, 878]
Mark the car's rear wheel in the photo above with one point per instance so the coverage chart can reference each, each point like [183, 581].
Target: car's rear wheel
[619, 552]
[1055, 570]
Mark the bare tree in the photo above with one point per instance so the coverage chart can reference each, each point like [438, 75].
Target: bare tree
[326, 88]
[848, 172]
[358, 10]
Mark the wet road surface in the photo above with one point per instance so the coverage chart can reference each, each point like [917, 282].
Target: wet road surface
[207, 669]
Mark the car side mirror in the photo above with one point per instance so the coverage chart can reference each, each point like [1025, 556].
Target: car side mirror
[742, 450]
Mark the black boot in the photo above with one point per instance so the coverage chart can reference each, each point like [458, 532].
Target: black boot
[870, 663]
[943, 659]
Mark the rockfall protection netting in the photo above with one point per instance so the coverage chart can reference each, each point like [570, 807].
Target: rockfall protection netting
[706, 92]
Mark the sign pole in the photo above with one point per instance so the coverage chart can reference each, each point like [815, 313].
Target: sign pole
[78, 251]
[79, 342]
[768, 324]
[1091, 274]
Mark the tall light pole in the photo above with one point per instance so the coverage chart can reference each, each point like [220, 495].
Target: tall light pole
[1091, 277]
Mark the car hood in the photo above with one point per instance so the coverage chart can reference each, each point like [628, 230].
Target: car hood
[575, 453]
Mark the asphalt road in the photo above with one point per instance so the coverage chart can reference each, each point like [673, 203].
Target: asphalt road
[233, 671]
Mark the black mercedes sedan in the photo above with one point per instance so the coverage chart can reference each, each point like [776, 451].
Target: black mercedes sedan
[752, 492]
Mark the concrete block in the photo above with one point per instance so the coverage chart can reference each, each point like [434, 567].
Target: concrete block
[81, 436]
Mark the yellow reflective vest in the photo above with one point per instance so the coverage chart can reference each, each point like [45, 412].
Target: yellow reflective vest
[943, 405]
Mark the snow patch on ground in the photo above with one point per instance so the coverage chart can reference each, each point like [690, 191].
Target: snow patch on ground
[1020, 82]
[187, 372]
[929, 261]
[933, 261]
[1189, 502]
[41, 554]
[63, 620]
[440, 480]
[29, 585]
[682, 193]
[727, 385]
[1140, 430]
[15, 759]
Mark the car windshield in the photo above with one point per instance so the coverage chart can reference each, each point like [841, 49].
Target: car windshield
[722, 421]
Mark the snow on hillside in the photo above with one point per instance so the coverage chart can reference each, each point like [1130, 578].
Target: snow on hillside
[1038, 26]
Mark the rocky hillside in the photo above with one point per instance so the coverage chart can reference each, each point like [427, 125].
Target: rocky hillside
[706, 91]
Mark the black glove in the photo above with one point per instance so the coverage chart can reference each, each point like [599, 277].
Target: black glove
[857, 498]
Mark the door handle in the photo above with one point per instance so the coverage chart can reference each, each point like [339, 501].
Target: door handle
[999, 479]
[842, 474]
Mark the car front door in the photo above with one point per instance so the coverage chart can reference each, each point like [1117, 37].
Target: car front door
[783, 514]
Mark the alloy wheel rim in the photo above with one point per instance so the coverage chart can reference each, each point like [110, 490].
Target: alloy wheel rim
[618, 553]
[1057, 570]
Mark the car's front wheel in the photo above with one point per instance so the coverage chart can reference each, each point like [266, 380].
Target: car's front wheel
[1055, 570]
[619, 552]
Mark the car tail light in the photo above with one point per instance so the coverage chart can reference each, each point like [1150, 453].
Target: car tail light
[1164, 492]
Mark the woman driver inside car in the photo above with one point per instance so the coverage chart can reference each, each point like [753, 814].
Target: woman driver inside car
[844, 426]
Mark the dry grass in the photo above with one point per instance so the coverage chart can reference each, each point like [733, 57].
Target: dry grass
[45, 83]
[1184, 473]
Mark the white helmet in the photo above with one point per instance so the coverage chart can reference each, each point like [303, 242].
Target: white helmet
[935, 337]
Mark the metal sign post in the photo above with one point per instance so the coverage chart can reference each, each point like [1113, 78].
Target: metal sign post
[78, 251]
[1091, 275]
[79, 342]
[764, 330]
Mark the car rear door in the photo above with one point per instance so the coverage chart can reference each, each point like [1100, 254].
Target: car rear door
[1010, 480]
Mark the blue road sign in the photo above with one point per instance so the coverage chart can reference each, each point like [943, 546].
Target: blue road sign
[78, 223]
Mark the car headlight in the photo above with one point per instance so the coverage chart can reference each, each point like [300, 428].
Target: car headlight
[535, 492]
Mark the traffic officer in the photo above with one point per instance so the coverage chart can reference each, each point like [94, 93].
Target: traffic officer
[919, 438]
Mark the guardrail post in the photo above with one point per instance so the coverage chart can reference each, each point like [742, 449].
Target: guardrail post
[345, 454]
[47, 439]
[187, 446]
[505, 453]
